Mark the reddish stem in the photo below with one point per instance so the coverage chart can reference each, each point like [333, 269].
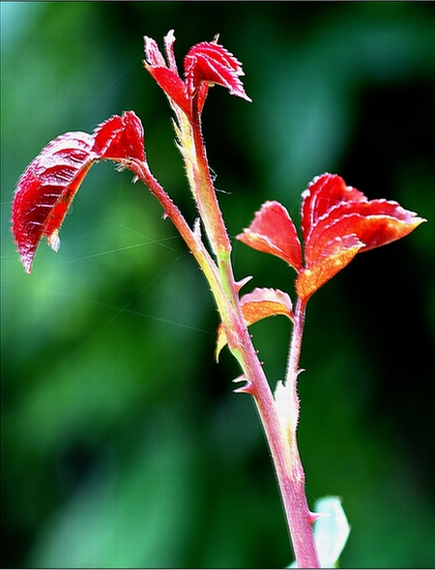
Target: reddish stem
[285, 455]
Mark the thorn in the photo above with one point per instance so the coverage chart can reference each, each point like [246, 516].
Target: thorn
[247, 388]
[316, 516]
[241, 378]
[242, 282]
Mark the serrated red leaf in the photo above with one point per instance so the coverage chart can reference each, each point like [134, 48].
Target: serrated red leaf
[48, 185]
[335, 255]
[322, 194]
[120, 138]
[205, 64]
[375, 222]
[211, 63]
[273, 231]
[257, 305]
[337, 221]
[45, 191]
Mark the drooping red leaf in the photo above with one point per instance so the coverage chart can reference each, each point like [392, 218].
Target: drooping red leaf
[45, 192]
[273, 231]
[48, 185]
[257, 305]
[120, 138]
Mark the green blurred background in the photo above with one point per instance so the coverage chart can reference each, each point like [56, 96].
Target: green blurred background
[123, 444]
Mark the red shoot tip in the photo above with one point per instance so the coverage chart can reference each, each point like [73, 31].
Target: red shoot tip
[206, 64]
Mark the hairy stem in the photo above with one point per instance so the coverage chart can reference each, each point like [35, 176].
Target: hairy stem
[300, 519]
[293, 361]
[288, 466]
[285, 454]
[206, 199]
[220, 277]
[191, 238]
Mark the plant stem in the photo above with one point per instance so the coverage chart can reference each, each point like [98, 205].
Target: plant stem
[288, 466]
[205, 196]
[191, 238]
[293, 360]
[283, 447]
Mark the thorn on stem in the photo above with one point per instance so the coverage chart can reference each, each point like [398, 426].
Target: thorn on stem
[316, 516]
[247, 388]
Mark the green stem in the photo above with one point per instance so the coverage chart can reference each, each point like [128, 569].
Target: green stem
[205, 197]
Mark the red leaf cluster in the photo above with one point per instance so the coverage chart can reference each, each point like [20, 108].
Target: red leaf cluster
[48, 185]
[337, 221]
[206, 64]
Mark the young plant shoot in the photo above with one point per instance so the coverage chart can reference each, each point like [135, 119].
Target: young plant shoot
[337, 222]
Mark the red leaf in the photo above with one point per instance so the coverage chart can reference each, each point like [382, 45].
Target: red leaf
[48, 185]
[172, 85]
[334, 256]
[375, 222]
[272, 231]
[263, 303]
[323, 193]
[205, 64]
[120, 138]
[211, 63]
[153, 55]
[337, 221]
[45, 191]
[258, 305]
[167, 77]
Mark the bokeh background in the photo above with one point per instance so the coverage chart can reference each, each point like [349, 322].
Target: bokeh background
[123, 444]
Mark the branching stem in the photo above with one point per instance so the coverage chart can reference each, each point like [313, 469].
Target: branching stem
[282, 444]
